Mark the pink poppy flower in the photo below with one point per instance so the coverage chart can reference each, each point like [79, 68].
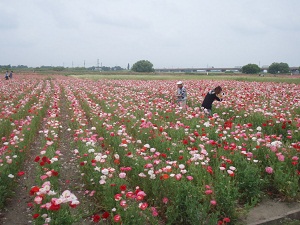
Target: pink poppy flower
[269, 170]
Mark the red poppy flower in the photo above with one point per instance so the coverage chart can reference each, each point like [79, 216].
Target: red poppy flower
[21, 173]
[105, 215]
[73, 205]
[130, 194]
[44, 159]
[164, 177]
[226, 220]
[54, 173]
[143, 206]
[37, 159]
[123, 187]
[54, 207]
[118, 197]
[117, 218]
[163, 155]
[209, 169]
[96, 218]
[35, 216]
[33, 190]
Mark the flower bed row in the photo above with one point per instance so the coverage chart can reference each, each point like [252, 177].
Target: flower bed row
[16, 146]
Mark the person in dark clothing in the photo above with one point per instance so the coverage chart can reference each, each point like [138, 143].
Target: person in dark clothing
[10, 74]
[210, 97]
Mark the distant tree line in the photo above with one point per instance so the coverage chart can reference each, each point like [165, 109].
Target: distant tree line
[146, 66]
[61, 68]
[274, 68]
[8, 67]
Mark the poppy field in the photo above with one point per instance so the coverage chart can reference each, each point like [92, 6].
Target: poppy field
[143, 159]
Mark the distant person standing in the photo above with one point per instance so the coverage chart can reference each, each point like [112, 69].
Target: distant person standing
[181, 95]
[10, 74]
[6, 75]
[210, 97]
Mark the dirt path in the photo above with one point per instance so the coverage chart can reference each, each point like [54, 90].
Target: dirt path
[70, 176]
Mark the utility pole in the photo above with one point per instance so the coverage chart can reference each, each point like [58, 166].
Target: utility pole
[84, 63]
[98, 64]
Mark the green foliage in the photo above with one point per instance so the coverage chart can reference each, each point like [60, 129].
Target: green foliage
[6, 67]
[250, 187]
[58, 68]
[188, 205]
[275, 68]
[284, 176]
[142, 66]
[250, 69]
[226, 195]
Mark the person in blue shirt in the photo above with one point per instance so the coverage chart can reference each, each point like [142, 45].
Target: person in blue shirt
[210, 97]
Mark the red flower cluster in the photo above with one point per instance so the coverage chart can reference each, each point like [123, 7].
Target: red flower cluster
[42, 161]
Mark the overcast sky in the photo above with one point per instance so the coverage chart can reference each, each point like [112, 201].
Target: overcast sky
[168, 33]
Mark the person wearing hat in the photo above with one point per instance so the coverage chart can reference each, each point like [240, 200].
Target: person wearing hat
[181, 95]
[210, 97]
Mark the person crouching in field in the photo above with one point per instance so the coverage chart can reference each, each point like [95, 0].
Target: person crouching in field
[181, 95]
[210, 97]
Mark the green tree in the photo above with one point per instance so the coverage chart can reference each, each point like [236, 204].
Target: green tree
[142, 66]
[58, 68]
[105, 68]
[6, 67]
[250, 69]
[275, 68]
